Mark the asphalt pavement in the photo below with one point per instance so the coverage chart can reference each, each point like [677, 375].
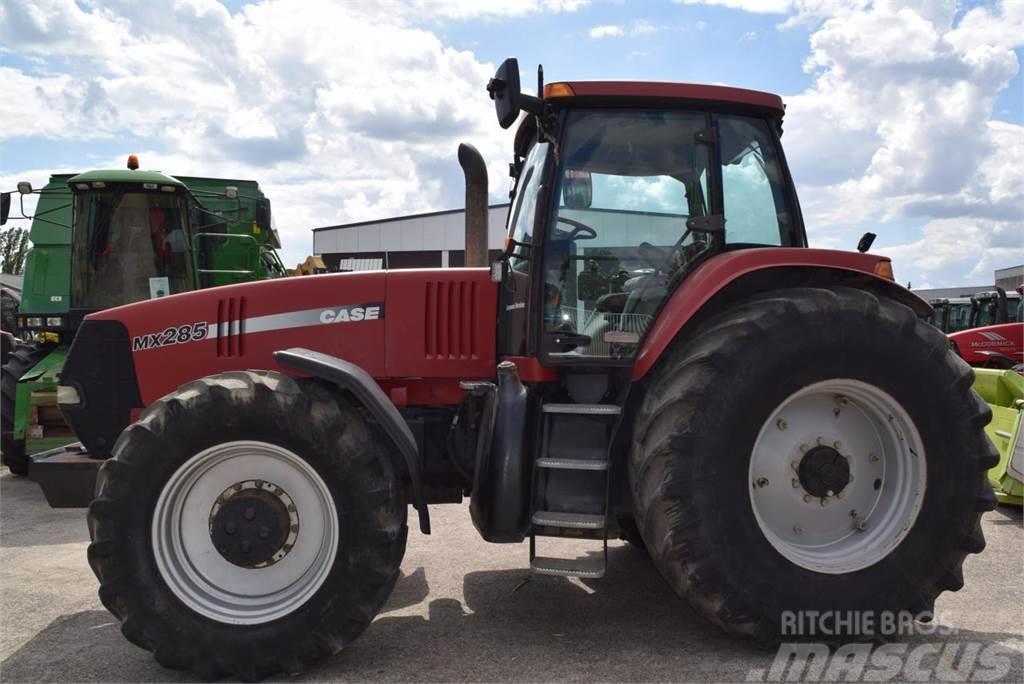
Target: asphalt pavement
[463, 610]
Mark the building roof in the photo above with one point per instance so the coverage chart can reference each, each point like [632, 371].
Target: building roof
[391, 219]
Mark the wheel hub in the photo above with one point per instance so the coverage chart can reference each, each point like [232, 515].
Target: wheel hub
[253, 524]
[823, 472]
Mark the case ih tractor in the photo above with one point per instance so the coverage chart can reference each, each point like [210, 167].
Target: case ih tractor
[110, 237]
[658, 356]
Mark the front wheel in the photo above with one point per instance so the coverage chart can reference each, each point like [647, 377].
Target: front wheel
[247, 525]
[810, 452]
[23, 358]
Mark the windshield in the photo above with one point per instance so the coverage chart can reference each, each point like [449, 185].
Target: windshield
[128, 246]
[632, 186]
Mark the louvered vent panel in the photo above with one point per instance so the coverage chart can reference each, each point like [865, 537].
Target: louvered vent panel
[230, 328]
[450, 321]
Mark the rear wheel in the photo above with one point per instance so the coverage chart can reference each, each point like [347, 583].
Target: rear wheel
[812, 450]
[246, 525]
[22, 359]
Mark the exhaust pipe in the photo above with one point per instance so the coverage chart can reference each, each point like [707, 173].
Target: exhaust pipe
[475, 171]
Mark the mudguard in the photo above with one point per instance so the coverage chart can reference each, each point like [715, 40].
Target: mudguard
[362, 386]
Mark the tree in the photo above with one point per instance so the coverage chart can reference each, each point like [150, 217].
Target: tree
[13, 247]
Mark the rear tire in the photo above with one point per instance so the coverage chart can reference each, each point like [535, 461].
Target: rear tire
[318, 480]
[23, 358]
[708, 406]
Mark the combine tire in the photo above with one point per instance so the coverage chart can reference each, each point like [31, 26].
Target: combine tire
[247, 525]
[22, 359]
[812, 450]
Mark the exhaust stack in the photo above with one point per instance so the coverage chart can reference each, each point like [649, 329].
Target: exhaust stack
[475, 171]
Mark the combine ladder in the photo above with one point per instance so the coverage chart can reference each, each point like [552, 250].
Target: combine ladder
[571, 484]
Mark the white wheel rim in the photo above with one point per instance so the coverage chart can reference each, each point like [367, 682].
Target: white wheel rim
[867, 519]
[201, 576]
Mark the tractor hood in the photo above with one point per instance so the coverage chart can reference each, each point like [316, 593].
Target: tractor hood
[416, 332]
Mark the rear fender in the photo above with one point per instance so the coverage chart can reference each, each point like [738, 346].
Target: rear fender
[732, 276]
[368, 394]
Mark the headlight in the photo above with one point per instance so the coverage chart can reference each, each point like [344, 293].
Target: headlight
[54, 321]
[34, 322]
[68, 396]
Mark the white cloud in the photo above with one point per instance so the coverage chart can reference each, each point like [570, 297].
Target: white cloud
[266, 93]
[897, 128]
[607, 31]
[638, 28]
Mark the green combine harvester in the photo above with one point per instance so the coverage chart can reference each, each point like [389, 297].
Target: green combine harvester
[110, 237]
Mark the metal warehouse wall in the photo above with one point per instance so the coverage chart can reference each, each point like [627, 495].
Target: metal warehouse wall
[432, 239]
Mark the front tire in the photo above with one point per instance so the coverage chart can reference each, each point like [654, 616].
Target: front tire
[247, 525]
[749, 484]
[22, 359]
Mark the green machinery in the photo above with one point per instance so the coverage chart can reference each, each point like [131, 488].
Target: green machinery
[1003, 390]
[110, 237]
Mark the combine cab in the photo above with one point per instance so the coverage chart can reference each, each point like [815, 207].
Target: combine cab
[994, 337]
[596, 382]
[106, 238]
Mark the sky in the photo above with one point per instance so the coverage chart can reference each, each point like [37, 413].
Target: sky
[905, 119]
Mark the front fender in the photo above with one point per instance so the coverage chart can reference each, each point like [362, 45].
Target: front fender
[365, 390]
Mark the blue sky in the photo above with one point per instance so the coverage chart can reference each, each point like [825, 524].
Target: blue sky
[905, 118]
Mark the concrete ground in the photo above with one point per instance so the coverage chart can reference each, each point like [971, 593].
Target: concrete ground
[463, 610]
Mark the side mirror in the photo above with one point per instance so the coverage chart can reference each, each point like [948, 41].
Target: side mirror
[504, 90]
[577, 189]
[508, 97]
[5, 207]
[866, 240]
[24, 188]
[231, 192]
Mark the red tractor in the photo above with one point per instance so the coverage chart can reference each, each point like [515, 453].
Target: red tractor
[995, 338]
[657, 356]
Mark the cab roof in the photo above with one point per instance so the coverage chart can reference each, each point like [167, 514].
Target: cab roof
[125, 176]
[695, 92]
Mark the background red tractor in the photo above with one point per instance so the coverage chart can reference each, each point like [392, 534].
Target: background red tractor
[995, 338]
[658, 355]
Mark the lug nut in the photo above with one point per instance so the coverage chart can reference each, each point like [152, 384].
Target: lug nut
[803, 448]
[807, 498]
[872, 458]
[861, 525]
[839, 495]
[264, 532]
[250, 512]
[796, 483]
[837, 445]
[820, 441]
[781, 424]
[824, 501]
[797, 529]
[230, 528]
[795, 465]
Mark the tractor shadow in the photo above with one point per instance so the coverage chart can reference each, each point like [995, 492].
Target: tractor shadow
[509, 626]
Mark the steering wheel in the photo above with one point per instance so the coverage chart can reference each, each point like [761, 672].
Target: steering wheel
[580, 231]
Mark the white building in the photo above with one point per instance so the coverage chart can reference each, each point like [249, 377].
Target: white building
[435, 239]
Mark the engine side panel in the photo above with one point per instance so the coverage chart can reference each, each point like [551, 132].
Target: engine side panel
[376, 320]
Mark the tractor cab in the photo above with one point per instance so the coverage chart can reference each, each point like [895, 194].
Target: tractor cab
[950, 314]
[622, 190]
[994, 307]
